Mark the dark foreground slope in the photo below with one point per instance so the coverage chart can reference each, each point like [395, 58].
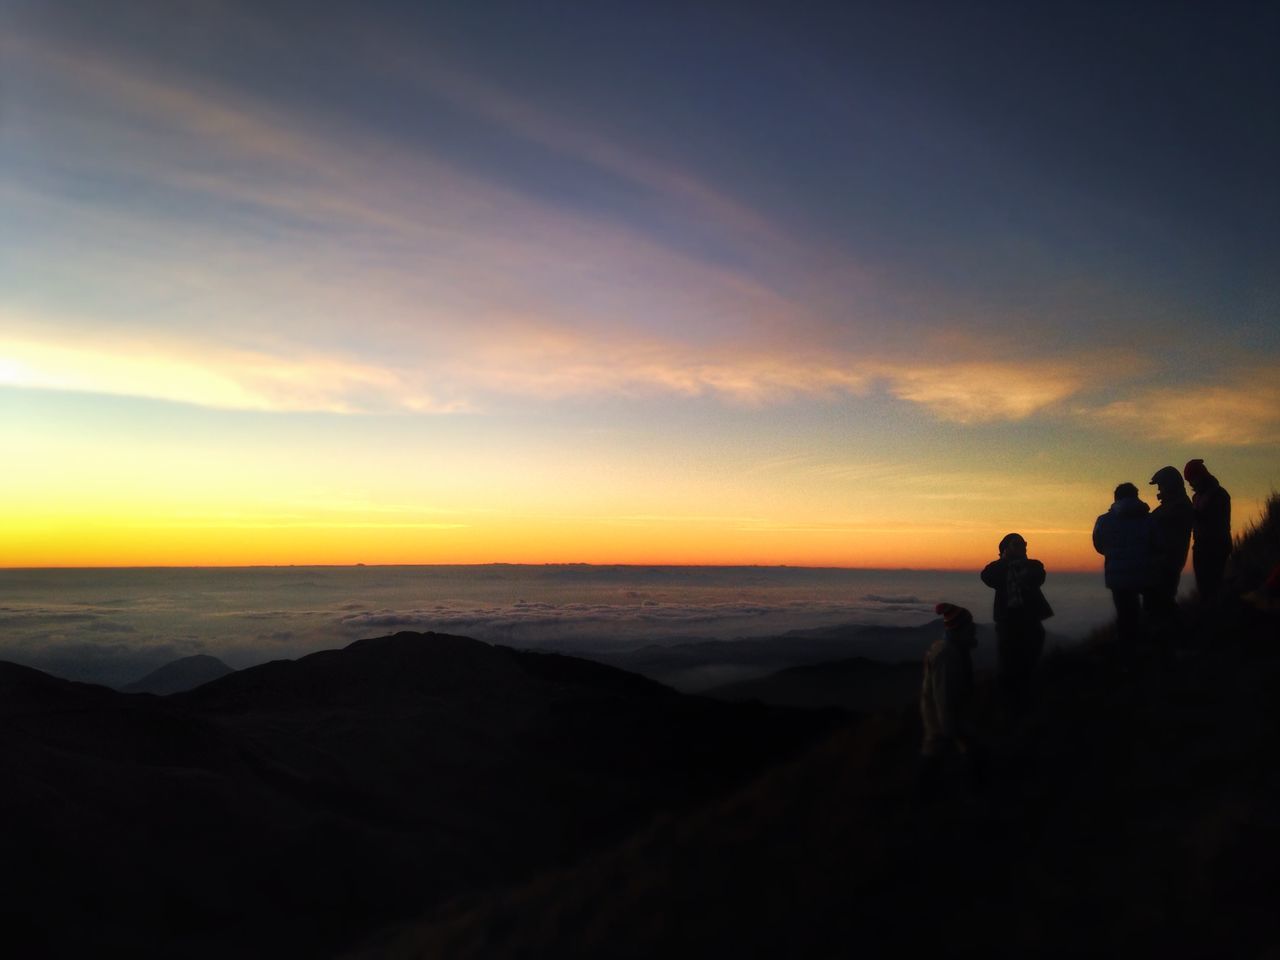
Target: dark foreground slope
[1136, 812]
[291, 808]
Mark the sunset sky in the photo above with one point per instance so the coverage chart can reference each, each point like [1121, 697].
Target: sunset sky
[851, 284]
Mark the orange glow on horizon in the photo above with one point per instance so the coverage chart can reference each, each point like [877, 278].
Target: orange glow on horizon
[122, 543]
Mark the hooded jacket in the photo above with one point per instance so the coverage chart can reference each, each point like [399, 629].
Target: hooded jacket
[1127, 537]
[1174, 519]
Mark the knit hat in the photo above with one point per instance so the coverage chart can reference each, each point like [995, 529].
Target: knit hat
[1195, 470]
[953, 617]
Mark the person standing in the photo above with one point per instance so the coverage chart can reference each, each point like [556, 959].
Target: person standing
[1212, 529]
[1019, 609]
[1173, 519]
[947, 707]
[1126, 537]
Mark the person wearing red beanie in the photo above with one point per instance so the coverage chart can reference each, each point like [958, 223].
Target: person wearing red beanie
[1211, 529]
[947, 697]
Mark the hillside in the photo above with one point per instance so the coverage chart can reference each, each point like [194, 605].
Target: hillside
[1133, 813]
[291, 808]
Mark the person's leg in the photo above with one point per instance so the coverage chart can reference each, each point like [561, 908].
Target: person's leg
[1160, 605]
[1208, 567]
[1214, 568]
[1035, 650]
[1128, 617]
[1025, 641]
[1006, 664]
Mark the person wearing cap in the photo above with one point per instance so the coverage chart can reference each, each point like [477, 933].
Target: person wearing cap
[1211, 528]
[1019, 609]
[1174, 518]
[1127, 538]
[947, 696]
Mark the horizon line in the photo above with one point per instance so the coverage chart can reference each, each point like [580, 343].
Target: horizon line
[504, 563]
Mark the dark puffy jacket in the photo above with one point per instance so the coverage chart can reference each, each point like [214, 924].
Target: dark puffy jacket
[1018, 597]
[1126, 536]
[1213, 520]
[1174, 519]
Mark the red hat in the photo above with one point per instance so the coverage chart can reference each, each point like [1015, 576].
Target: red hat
[1194, 470]
[953, 617]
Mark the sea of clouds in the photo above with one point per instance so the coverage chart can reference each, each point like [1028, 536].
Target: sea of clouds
[113, 627]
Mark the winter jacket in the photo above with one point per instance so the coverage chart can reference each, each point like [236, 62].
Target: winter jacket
[1174, 519]
[1127, 537]
[1212, 522]
[1017, 585]
[946, 695]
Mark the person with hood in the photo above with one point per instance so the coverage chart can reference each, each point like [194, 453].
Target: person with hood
[1126, 537]
[947, 707]
[1173, 519]
[1018, 610]
[1212, 528]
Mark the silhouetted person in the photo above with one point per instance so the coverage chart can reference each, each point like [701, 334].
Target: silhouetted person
[947, 698]
[1174, 519]
[1018, 610]
[1126, 536]
[1212, 527]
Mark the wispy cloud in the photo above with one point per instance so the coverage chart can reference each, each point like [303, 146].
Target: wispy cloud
[983, 391]
[399, 292]
[210, 375]
[680, 187]
[1243, 412]
[540, 359]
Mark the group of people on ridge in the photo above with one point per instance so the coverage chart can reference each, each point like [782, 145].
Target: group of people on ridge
[1144, 550]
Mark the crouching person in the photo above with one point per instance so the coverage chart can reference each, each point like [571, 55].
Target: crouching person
[947, 701]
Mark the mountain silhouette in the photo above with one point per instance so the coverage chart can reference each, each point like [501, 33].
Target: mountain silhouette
[290, 808]
[179, 675]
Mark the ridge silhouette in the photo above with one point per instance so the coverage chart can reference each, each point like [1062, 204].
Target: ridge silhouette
[288, 809]
[1129, 812]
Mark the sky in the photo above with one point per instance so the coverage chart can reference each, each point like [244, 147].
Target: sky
[860, 284]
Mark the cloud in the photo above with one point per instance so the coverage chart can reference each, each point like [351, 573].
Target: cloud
[677, 186]
[982, 391]
[417, 286]
[544, 361]
[1245, 412]
[532, 359]
[209, 375]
